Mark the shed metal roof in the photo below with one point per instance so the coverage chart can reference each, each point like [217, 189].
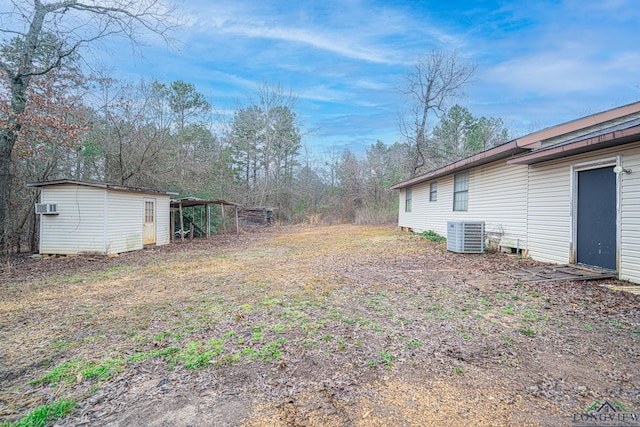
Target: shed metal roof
[98, 185]
[194, 201]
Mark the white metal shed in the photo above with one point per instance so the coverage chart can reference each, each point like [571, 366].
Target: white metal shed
[79, 217]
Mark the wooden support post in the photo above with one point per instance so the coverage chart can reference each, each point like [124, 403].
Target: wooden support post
[202, 227]
[224, 225]
[237, 222]
[193, 221]
[181, 222]
[172, 225]
[208, 220]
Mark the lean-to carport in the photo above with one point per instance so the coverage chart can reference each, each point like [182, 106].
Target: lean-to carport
[181, 206]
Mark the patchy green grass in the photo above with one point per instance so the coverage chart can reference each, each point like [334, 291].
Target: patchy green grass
[146, 355]
[77, 370]
[414, 343]
[45, 415]
[343, 301]
[197, 354]
[271, 351]
[530, 332]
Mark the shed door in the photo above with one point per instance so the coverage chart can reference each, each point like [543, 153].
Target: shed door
[596, 222]
[149, 228]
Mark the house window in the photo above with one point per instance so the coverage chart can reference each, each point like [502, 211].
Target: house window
[460, 191]
[407, 199]
[433, 192]
[148, 212]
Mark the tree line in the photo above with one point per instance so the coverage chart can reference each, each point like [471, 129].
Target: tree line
[58, 123]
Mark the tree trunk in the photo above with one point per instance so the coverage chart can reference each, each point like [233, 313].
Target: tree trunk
[9, 135]
[7, 141]
[33, 234]
[8, 138]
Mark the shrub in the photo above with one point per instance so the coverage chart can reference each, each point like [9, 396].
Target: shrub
[432, 236]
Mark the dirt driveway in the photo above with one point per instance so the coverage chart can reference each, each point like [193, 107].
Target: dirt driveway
[306, 326]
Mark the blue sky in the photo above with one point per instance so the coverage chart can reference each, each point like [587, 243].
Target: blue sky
[539, 63]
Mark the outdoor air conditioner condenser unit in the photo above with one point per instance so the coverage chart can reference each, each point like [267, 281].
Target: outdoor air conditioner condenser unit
[46, 208]
[465, 237]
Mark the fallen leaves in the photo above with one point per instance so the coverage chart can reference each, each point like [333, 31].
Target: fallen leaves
[340, 325]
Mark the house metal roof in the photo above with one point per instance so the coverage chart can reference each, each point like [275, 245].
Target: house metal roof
[619, 134]
[601, 130]
[499, 152]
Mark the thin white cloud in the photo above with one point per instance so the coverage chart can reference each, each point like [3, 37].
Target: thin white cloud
[355, 30]
[233, 79]
[332, 42]
[371, 85]
[323, 94]
[367, 104]
[543, 60]
[559, 73]
[626, 62]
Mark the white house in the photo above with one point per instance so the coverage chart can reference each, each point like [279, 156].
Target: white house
[566, 194]
[94, 218]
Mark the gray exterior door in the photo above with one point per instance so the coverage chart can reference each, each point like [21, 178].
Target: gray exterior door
[596, 222]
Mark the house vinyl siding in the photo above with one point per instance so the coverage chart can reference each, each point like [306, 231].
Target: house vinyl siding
[497, 195]
[549, 213]
[629, 265]
[550, 208]
[549, 220]
[566, 194]
[79, 225]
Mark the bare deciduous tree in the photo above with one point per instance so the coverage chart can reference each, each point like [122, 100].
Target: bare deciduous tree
[434, 81]
[265, 140]
[53, 123]
[39, 36]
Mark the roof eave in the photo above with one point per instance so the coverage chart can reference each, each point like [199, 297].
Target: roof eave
[612, 139]
[98, 185]
[533, 141]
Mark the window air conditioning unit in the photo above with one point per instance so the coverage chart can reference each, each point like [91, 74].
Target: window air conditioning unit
[46, 208]
[466, 237]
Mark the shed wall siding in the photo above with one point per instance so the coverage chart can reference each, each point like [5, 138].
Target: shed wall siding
[163, 218]
[126, 220]
[79, 225]
[126, 216]
[497, 195]
[97, 220]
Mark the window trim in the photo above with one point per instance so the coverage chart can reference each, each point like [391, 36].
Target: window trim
[461, 205]
[408, 196]
[433, 192]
